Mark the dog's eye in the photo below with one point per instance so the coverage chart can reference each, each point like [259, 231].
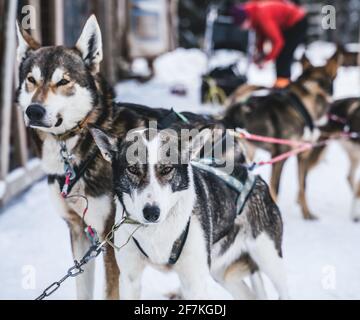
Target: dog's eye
[31, 80]
[133, 170]
[62, 82]
[166, 170]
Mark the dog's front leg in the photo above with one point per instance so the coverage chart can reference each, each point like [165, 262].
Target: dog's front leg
[131, 266]
[80, 244]
[198, 284]
[111, 267]
[194, 271]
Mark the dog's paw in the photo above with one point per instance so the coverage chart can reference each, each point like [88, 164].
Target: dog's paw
[176, 295]
[355, 211]
[311, 217]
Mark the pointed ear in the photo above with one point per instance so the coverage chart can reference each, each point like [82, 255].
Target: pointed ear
[305, 62]
[105, 143]
[334, 62]
[90, 44]
[25, 42]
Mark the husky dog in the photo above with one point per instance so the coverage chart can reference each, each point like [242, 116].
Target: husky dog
[61, 93]
[184, 218]
[290, 113]
[343, 117]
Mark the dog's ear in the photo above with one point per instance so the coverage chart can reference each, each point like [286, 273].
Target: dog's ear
[25, 43]
[90, 44]
[335, 62]
[105, 143]
[305, 62]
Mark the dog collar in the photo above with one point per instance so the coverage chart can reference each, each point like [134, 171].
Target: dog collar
[74, 131]
[177, 247]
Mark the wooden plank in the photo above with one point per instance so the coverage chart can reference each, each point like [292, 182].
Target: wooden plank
[21, 179]
[37, 32]
[59, 22]
[7, 87]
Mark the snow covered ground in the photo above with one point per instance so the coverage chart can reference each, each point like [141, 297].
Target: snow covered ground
[322, 257]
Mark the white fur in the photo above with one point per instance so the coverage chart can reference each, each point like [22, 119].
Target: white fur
[57, 75]
[23, 46]
[51, 159]
[36, 73]
[311, 136]
[263, 252]
[72, 109]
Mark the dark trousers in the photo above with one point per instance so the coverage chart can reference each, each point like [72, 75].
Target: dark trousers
[292, 37]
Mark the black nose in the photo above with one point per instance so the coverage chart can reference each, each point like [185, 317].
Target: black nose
[35, 112]
[151, 213]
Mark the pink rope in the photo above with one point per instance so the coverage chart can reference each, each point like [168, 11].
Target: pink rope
[254, 137]
[286, 155]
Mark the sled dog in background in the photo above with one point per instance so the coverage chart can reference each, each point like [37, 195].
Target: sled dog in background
[343, 118]
[289, 113]
[184, 218]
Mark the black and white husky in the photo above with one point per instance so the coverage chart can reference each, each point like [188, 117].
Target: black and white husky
[185, 219]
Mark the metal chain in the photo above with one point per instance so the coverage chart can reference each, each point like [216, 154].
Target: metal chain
[67, 159]
[75, 270]
[96, 248]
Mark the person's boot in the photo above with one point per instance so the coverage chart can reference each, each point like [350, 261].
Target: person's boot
[281, 82]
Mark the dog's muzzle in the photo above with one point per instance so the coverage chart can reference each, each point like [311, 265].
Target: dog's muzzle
[151, 213]
[35, 112]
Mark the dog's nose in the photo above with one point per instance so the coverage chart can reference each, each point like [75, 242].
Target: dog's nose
[151, 213]
[35, 112]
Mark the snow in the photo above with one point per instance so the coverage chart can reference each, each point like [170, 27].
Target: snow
[322, 257]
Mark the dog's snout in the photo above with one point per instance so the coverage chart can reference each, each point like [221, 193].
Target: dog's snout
[151, 213]
[35, 112]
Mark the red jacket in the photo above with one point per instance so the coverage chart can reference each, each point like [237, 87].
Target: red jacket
[270, 19]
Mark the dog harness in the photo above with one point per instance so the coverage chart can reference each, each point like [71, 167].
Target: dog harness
[170, 118]
[177, 247]
[242, 188]
[297, 104]
[72, 173]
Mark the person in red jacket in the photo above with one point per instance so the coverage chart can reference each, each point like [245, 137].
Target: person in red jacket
[282, 23]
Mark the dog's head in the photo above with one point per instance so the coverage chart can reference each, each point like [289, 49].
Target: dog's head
[321, 78]
[57, 88]
[148, 175]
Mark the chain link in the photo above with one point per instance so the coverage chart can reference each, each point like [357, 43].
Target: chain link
[75, 270]
[93, 252]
